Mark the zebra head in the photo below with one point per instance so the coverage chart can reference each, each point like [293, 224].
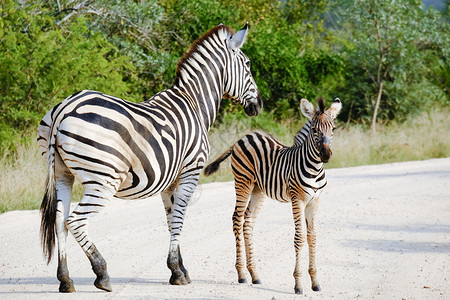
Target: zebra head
[322, 125]
[239, 83]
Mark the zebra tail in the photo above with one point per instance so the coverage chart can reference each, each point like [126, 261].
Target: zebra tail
[214, 166]
[48, 206]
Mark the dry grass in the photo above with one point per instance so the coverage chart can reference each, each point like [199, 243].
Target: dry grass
[22, 179]
[419, 138]
[22, 175]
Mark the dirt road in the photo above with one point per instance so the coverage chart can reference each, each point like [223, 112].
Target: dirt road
[383, 233]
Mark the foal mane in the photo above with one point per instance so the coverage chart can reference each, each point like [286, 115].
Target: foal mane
[321, 105]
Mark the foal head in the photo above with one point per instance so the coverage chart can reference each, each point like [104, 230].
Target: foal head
[322, 125]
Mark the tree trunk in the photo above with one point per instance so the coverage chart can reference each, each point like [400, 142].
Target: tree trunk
[377, 104]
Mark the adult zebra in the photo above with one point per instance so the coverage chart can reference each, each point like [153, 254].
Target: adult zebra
[136, 150]
[262, 165]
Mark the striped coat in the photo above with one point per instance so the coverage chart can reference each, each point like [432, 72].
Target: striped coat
[263, 166]
[117, 148]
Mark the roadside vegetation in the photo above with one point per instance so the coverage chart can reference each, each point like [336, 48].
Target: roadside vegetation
[22, 174]
[388, 61]
[417, 138]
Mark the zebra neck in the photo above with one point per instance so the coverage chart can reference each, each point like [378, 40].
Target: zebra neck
[311, 156]
[200, 76]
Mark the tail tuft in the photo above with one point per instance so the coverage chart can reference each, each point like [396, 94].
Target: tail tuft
[48, 215]
[214, 166]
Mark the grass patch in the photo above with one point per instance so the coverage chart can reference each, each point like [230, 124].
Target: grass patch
[22, 173]
[22, 178]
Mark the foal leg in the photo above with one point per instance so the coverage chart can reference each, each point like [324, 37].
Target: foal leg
[298, 209]
[253, 208]
[94, 200]
[64, 184]
[243, 192]
[310, 213]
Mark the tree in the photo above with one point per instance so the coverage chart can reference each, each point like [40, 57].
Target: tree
[386, 41]
[134, 27]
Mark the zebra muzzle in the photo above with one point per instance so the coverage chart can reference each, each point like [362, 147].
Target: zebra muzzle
[325, 153]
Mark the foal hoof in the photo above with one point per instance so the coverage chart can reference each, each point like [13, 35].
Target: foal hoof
[257, 281]
[178, 280]
[103, 284]
[242, 280]
[316, 288]
[298, 291]
[67, 287]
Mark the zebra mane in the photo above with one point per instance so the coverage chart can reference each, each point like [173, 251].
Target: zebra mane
[301, 135]
[194, 47]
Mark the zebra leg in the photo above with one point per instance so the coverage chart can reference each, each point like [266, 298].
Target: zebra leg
[243, 191]
[94, 199]
[64, 184]
[181, 194]
[168, 200]
[310, 213]
[298, 209]
[253, 208]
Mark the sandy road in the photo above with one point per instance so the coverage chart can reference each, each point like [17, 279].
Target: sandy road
[383, 233]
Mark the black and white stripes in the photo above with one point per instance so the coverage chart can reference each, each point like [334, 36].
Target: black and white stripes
[117, 148]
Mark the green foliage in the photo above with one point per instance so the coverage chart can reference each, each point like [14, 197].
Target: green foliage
[286, 70]
[134, 28]
[396, 49]
[41, 64]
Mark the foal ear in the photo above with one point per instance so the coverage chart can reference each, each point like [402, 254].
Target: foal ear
[238, 39]
[335, 108]
[307, 108]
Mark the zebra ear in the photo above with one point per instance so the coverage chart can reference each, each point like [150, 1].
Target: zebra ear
[238, 39]
[307, 108]
[335, 108]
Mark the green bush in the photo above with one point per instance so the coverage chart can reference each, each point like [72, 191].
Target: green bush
[41, 64]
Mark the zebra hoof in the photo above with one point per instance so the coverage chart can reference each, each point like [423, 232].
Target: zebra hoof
[257, 281]
[242, 280]
[316, 288]
[188, 278]
[103, 284]
[178, 280]
[67, 287]
[298, 291]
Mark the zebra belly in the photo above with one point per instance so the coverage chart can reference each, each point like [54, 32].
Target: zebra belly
[278, 194]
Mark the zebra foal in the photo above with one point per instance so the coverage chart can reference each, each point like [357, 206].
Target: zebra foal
[262, 165]
[117, 148]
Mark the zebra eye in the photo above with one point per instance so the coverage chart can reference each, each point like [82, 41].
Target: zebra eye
[334, 128]
[248, 64]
